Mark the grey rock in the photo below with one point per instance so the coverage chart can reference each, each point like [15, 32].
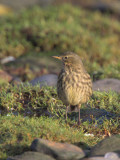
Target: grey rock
[31, 156]
[107, 84]
[18, 4]
[48, 79]
[60, 151]
[100, 85]
[111, 144]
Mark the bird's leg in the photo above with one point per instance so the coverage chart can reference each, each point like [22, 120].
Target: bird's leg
[66, 112]
[79, 114]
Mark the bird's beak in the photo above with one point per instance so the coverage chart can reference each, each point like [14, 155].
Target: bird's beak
[58, 57]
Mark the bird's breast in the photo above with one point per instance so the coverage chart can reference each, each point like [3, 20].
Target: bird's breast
[68, 88]
[74, 87]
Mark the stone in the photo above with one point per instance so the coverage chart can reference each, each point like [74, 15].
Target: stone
[108, 156]
[31, 156]
[107, 84]
[47, 79]
[99, 85]
[94, 158]
[111, 156]
[60, 151]
[110, 144]
[19, 4]
[5, 77]
[7, 59]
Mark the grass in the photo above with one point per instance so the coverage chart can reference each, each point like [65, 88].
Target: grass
[29, 112]
[17, 133]
[52, 30]
[23, 118]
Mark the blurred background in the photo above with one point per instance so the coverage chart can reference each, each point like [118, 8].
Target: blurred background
[31, 31]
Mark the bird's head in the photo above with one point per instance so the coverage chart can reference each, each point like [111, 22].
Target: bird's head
[70, 59]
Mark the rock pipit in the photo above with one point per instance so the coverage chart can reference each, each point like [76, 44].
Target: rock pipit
[74, 86]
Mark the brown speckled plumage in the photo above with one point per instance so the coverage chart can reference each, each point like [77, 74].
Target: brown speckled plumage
[74, 86]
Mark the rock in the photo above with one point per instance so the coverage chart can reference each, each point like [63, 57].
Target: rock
[5, 77]
[108, 156]
[48, 79]
[19, 4]
[100, 85]
[111, 144]
[95, 158]
[107, 84]
[57, 150]
[31, 156]
[111, 156]
[7, 59]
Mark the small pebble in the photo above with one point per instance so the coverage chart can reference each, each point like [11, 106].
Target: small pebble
[88, 134]
[7, 59]
[111, 156]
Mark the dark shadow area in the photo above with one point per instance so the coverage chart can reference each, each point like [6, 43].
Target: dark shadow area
[15, 150]
[92, 114]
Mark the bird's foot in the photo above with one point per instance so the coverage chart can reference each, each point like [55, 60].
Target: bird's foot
[66, 121]
[79, 122]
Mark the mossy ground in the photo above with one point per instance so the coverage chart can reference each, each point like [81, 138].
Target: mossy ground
[29, 112]
[23, 118]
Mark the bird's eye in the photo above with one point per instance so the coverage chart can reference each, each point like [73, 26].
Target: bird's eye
[65, 57]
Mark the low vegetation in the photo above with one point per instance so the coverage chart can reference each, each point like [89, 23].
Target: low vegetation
[28, 112]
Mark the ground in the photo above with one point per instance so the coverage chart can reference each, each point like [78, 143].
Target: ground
[28, 112]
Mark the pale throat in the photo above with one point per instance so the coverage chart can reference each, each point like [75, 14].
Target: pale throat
[70, 66]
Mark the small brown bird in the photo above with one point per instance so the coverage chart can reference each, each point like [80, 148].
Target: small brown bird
[74, 86]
